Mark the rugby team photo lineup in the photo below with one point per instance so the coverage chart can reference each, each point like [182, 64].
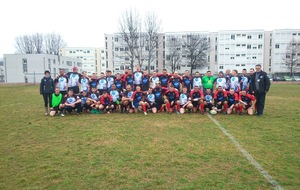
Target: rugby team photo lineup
[139, 91]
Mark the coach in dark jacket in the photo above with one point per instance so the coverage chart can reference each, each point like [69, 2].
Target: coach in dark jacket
[47, 87]
[260, 86]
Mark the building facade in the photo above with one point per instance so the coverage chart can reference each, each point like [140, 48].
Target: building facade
[29, 68]
[91, 58]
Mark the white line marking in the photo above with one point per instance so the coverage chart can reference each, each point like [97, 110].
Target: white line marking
[259, 168]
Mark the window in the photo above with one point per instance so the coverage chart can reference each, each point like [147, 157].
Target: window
[248, 46]
[243, 34]
[151, 67]
[121, 49]
[216, 47]
[238, 35]
[231, 57]
[116, 49]
[53, 61]
[237, 55]
[24, 61]
[70, 51]
[277, 46]
[254, 47]
[294, 34]
[238, 45]
[102, 51]
[216, 57]
[168, 57]
[232, 37]
[260, 36]
[88, 51]
[178, 49]
[227, 48]
[243, 55]
[237, 65]
[116, 39]
[243, 45]
[249, 37]
[254, 57]
[126, 49]
[69, 63]
[103, 65]
[126, 58]
[220, 67]
[243, 65]
[259, 46]
[122, 67]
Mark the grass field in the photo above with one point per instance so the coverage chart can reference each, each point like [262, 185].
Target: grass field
[159, 151]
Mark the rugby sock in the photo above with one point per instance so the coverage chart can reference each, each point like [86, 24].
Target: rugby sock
[236, 109]
[144, 107]
[202, 107]
[225, 107]
[177, 107]
[161, 108]
[168, 107]
[241, 108]
[122, 107]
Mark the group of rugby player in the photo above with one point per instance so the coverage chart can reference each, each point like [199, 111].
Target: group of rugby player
[139, 91]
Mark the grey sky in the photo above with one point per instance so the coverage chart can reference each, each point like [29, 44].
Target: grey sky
[83, 23]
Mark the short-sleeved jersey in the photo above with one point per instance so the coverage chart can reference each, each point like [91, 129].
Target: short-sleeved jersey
[196, 94]
[244, 81]
[137, 96]
[220, 96]
[137, 77]
[115, 95]
[221, 81]
[93, 83]
[84, 84]
[184, 98]
[197, 82]
[119, 84]
[145, 82]
[105, 100]
[61, 83]
[208, 98]
[94, 96]
[232, 98]
[110, 81]
[176, 82]
[235, 83]
[83, 99]
[150, 98]
[73, 79]
[153, 81]
[187, 82]
[158, 93]
[129, 80]
[228, 80]
[70, 99]
[128, 94]
[102, 84]
[164, 79]
[172, 95]
[247, 99]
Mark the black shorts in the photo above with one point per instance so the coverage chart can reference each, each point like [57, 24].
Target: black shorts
[159, 103]
[195, 104]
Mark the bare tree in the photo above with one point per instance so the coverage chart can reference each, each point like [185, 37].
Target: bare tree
[24, 44]
[38, 42]
[152, 29]
[173, 51]
[292, 57]
[129, 29]
[54, 42]
[196, 48]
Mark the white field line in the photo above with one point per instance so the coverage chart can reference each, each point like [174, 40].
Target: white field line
[259, 168]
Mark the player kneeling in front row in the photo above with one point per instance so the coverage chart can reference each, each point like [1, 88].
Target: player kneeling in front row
[93, 100]
[106, 102]
[171, 97]
[72, 102]
[126, 102]
[246, 102]
[220, 98]
[197, 99]
[233, 101]
[138, 99]
[150, 101]
[185, 101]
[56, 103]
[85, 104]
[208, 100]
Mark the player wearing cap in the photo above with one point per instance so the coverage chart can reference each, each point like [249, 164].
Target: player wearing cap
[73, 78]
[106, 102]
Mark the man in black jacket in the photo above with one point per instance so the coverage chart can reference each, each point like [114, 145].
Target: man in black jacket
[46, 89]
[260, 84]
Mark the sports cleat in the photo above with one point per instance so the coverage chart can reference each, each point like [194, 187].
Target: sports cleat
[224, 112]
[62, 115]
[145, 113]
[46, 114]
[178, 112]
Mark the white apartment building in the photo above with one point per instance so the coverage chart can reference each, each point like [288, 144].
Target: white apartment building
[240, 49]
[280, 41]
[91, 58]
[184, 60]
[29, 68]
[117, 58]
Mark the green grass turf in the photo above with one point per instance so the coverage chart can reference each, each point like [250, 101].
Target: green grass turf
[159, 151]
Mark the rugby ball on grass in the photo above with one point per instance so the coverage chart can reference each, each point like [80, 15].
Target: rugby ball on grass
[213, 112]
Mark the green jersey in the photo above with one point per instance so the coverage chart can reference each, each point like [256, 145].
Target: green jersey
[56, 99]
[208, 82]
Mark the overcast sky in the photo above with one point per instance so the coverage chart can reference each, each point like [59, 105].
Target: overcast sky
[84, 23]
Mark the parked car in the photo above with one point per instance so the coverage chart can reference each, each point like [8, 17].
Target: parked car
[278, 78]
[270, 77]
[296, 78]
[287, 78]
